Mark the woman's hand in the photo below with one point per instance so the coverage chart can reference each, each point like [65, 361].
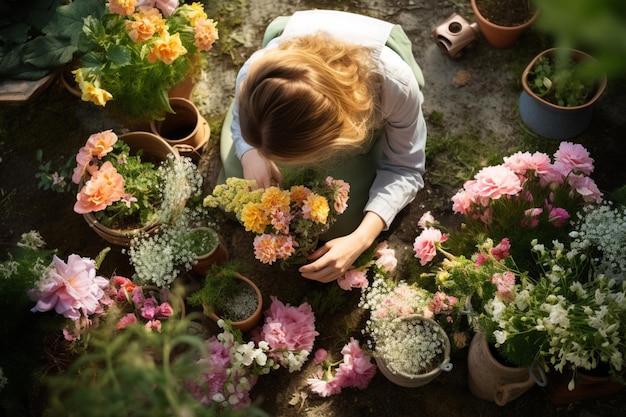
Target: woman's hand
[259, 168]
[336, 256]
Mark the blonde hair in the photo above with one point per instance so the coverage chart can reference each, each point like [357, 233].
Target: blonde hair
[310, 98]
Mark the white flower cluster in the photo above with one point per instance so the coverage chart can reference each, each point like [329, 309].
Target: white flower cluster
[32, 240]
[602, 229]
[573, 314]
[406, 345]
[159, 258]
[179, 180]
[412, 347]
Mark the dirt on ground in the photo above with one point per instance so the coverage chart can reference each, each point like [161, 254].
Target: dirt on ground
[476, 93]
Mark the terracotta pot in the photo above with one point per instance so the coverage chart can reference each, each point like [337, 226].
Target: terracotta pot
[183, 89]
[185, 130]
[417, 380]
[249, 323]
[218, 255]
[497, 35]
[67, 79]
[490, 380]
[551, 120]
[152, 146]
[586, 387]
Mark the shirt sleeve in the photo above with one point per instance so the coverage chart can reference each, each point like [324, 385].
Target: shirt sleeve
[402, 164]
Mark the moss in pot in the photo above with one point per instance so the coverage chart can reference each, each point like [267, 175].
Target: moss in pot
[228, 295]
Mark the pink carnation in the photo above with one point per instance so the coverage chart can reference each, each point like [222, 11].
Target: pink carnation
[287, 328]
[425, 245]
[522, 162]
[386, 257]
[586, 187]
[504, 283]
[573, 157]
[495, 181]
[502, 249]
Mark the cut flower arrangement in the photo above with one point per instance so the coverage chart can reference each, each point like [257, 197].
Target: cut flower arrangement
[287, 222]
[540, 296]
[408, 347]
[127, 191]
[138, 50]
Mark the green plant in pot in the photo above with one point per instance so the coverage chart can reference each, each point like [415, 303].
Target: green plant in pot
[226, 294]
[560, 87]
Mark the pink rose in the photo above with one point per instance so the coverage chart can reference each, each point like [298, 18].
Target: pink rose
[386, 257]
[105, 187]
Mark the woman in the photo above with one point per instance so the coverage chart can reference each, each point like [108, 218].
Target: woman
[340, 92]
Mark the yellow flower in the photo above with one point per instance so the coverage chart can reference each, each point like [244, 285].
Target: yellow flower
[274, 197]
[94, 94]
[193, 12]
[166, 49]
[316, 208]
[253, 218]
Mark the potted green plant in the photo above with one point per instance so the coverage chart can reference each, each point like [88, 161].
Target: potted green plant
[137, 54]
[226, 294]
[502, 22]
[560, 88]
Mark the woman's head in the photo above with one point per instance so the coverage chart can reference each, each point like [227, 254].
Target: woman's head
[309, 99]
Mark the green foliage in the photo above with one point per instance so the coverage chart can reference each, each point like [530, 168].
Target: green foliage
[39, 36]
[135, 373]
[560, 81]
[220, 285]
[59, 179]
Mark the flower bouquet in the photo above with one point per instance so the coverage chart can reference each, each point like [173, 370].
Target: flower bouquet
[138, 50]
[123, 189]
[287, 222]
[405, 340]
[528, 196]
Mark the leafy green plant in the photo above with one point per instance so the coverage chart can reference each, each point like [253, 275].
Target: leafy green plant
[219, 288]
[136, 373]
[36, 37]
[561, 81]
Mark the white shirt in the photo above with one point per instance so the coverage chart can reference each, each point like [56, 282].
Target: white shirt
[399, 174]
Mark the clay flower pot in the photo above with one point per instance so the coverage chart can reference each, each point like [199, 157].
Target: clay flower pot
[217, 255]
[497, 35]
[185, 129]
[248, 323]
[490, 380]
[152, 146]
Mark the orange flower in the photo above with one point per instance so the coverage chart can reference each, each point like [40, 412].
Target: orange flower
[105, 187]
[166, 49]
[254, 218]
[101, 143]
[316, 208]
[205, 34]
[146, 23]
[299, 194]
[274, 197]
[122, 7]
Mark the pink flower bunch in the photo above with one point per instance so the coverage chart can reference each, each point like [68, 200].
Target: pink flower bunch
[354, 370]
[150, 306]
[229, 369]
[532, 181]
[289, 332]
[72, 289]
[384, 259]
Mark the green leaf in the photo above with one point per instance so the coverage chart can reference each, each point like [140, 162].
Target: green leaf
[119, 55]
[48, 52]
